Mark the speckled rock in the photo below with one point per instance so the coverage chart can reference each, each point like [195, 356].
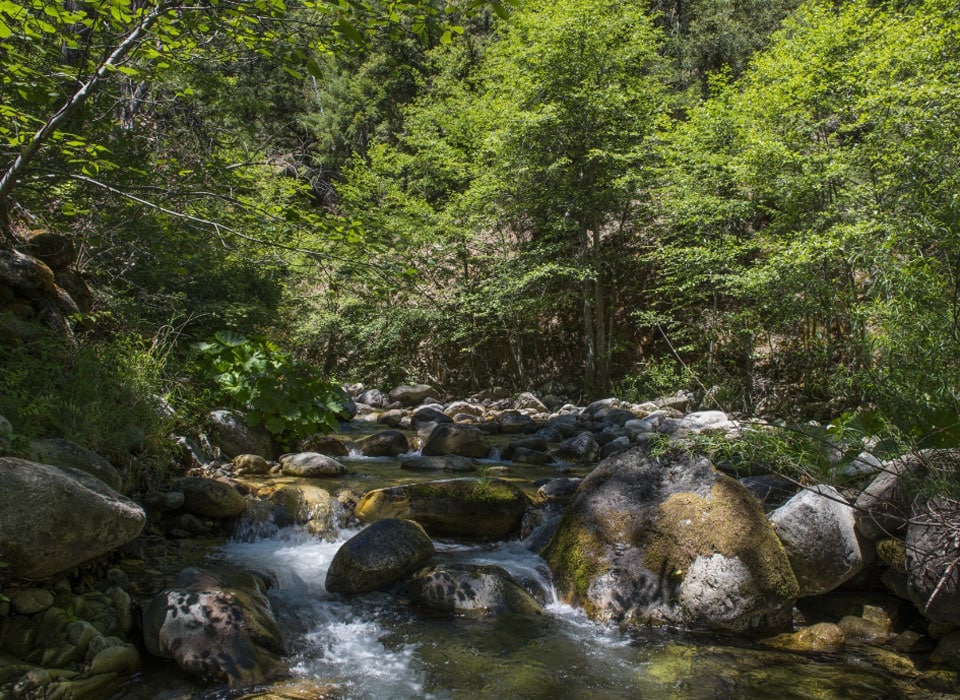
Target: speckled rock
[63, 453]
[471, 590]
[217, 626]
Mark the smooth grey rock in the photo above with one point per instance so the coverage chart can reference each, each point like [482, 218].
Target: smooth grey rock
[63, 453]
[311, 465]
[818, 530]
[233, 436]
[52, 519]
[413, 394]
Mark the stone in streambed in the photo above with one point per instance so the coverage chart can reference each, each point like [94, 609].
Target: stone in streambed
[480, 509]
[386, 443]
[471, 590]
[378, 556]
[311, 465]
[208, 498]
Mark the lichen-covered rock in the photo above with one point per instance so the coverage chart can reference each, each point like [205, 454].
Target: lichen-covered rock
[53, 519]
[932, 555]
[217, 626]
[63, 453]
[823, 636]
[306, 505]
[480, 509]
[325, 445]
[233, 436]
[378, 556]
[671, 540]
[818, 530]
[311, 465]
[457, 439]
[209, 498]
[471, 590]
[386, 443]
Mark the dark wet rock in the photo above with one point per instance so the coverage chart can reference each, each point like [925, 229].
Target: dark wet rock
[53, 519]
[472, 590]
[614, 446]
[480, 509]
[456, 439]
[538, 444]
[325, 445]
[209, 498]
[218, 626]
[558, 490]
[818, 530]
[426, 415]
[770, 489]
[378, 556]
[672, 540]
[444, 463]
[513, 422]
[311, 465]
[582, 449]
[522, 455]
[386, 443]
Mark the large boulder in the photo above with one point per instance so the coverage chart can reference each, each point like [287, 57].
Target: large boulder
[671, 540]
[63, 453]
[303, 504]
[932, 556]
[476, 508]
[233, 436]
[413, 394]
[456, 439]
[311, 465]
[386, 443]
[53, 519]
[378, 556]
[818, 530]
[218, 626]
[471, 590]
[210, 499]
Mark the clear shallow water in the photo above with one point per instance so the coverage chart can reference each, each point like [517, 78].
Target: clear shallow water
[377, 646]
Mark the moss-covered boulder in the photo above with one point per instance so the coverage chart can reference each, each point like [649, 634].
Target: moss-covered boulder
[474, 508]
[671, 540]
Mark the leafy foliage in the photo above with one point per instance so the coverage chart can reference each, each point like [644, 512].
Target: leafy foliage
[273, 388]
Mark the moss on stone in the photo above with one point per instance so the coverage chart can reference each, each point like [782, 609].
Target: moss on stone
[575, 557]
[690, 525]
[893, 553]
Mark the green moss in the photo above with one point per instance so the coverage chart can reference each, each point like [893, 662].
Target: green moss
[728, 522]
[893, 553]
[575, 555]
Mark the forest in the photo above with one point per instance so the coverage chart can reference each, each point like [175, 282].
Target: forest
[753, 201]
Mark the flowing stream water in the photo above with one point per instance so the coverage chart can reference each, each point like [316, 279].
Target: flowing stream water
[378, 646]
